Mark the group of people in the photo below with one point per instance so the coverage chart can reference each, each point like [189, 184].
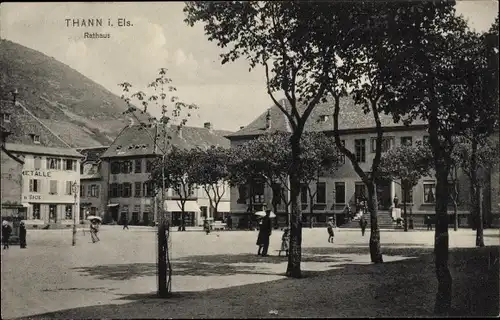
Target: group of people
[7, 232]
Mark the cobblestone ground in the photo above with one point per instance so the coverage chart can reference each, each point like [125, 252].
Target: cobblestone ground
[52, 275]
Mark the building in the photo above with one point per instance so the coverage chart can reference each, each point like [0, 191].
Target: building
[342, 188]
[11, 188]
[49, 175]
[92, 197]
[126, 167]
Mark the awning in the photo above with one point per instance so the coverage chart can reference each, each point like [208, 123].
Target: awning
[112, 204]
[224, 207]
[175, 206]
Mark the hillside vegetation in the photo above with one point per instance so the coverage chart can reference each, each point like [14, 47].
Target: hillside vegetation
[80, 111]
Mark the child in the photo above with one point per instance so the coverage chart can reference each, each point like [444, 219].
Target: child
[285, 240]
[330, 227]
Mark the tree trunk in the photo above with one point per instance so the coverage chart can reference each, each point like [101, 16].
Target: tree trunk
[479, 231]
[311, 210]
[455, 215]
[375, 254]
[404, 186]
[162, 258]
[441, 244]
[455, 199]
[295, 253]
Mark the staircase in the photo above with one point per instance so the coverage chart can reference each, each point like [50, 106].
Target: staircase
[384, 221]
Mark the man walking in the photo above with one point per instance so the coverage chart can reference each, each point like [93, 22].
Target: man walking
[22, 235]
[6, 231]
[125, 223]
[266, 229]
[363, 223]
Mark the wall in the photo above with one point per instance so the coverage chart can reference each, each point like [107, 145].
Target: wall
[11, 186]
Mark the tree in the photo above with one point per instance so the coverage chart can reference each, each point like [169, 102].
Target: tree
[408, 164]
[319, 157]
[178, 171]
[171, 110]
[211, 172]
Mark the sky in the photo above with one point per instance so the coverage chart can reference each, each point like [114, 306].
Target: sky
[228, 96]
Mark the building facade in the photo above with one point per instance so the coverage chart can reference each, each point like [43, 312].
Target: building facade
[50, 176]
[92, 197]
[344, 187]
[126, 168]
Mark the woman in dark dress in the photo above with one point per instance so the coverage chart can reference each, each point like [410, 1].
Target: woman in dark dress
[6, 231]
[22, 235]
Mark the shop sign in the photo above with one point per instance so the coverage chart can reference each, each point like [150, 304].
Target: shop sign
[36, 173]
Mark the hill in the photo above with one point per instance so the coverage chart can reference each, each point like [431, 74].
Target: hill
[80, 111]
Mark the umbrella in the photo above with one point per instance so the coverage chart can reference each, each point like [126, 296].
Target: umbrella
[94, 218]
[263, 214]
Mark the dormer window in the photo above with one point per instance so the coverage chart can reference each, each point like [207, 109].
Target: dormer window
[36, 138]
[6, 117]
[118, 147]
[323, 118]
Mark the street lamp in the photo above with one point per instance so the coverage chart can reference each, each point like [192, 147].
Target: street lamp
[75, 191]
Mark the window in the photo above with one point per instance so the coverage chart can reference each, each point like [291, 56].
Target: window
[258, 192]
[138, 166]
[69, 211]
[6, 117]
[69, 188]
[36, 211]
[37, 162]
[425, 140]
[127, 190]
[429, 192]
[340, 192]
[406, 141]
[115, 167]
[323, 118]
[149, 165]
[360, 150]
[341, 155]
[35, 138]
[387, 143]
[94, 191]
[126, 166]
[53, 163]
[303, 194]
[242, 194]
[82, 190]
[53, 187]
[359, 191]
[276, 188]
[137, 189]
[409, 196]
[69, 164]
[113, 190]
[35, 185]
[321, 192]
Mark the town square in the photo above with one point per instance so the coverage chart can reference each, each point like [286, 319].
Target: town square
[250, 159]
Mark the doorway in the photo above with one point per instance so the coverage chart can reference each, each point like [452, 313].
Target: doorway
[384, 194]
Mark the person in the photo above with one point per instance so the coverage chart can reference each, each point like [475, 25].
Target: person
[125, 223]
[428, 222]
[206, 226]
[94, 228]
[363, 223]
[329, 227]
[266, 229]
[285, 241]
[6, 231]
[22, 235]
[229, 223]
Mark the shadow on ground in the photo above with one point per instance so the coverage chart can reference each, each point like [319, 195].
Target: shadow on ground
[404, 288]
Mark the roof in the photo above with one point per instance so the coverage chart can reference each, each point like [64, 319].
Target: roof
[23, 124]
[137, 140]
[93, 154]
[38, 149]
[351, 116]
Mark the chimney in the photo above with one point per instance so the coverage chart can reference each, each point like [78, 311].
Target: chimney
[207, 125]
[242, 127]
[268, 119]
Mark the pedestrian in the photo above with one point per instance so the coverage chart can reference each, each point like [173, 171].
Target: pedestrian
[329, 227]
[94, 228]
[363, 223]
[229, 223]
[428, 222]
[266, 229]
[6, 231]
[285, 241]
[206, 226]
[125, 223]
[22, 235]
